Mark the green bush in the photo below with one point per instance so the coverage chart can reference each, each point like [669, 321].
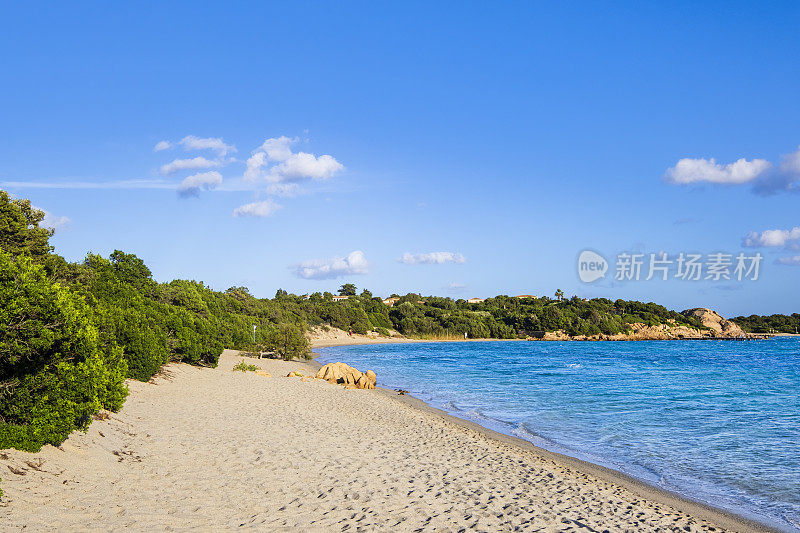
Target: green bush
[287, 342]
[244, 367]
[154, 323]
[53, 373]
[379, 320]
[120, 289]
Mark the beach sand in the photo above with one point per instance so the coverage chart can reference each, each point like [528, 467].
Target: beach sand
[336, 337]
[212, 449]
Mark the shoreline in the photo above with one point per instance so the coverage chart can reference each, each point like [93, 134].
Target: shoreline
[215, 449]
[343, 339]
[697, 508]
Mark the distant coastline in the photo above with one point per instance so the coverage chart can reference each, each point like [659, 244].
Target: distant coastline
[319, 338]
[701, 324]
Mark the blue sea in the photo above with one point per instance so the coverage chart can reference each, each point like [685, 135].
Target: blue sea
[717, 421]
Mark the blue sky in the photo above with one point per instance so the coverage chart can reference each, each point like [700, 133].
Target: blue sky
[491, 142]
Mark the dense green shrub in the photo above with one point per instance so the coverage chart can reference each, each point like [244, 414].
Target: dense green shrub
[380, 320]
[288, 342]
[54, 374]
[120, 289]
[153, 323]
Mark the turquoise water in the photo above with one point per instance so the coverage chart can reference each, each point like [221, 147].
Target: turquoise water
[718, 421]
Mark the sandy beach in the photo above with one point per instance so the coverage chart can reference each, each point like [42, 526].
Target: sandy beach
[212, 449]
[336, 337]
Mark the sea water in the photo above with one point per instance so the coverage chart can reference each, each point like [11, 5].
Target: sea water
[717, 421]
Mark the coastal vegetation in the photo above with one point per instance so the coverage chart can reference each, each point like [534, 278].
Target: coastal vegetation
[769, 324]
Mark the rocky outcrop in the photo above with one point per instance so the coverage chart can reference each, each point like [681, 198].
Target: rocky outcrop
[348, 376]
[711, 319]
[556, 336]
[298, 374]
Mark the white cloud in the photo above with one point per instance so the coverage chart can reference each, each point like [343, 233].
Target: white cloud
[790, 163]
[273, 169]
[278, 148]
[793, 261]
[192, 142]
[771, 237]
[257, 209]
[688, 171]
[432, 258]
[52, 221]
[785, 179]
[765, 177]
[204, 181]
[303, 165]
[274, 162]
[254, 165]
[188, 164]
[354, 264]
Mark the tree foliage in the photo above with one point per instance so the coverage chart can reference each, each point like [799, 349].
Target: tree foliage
[20, 233]
[54, 371]
[348, 289]
[509, 317]
[288, 342]
[769, 324]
